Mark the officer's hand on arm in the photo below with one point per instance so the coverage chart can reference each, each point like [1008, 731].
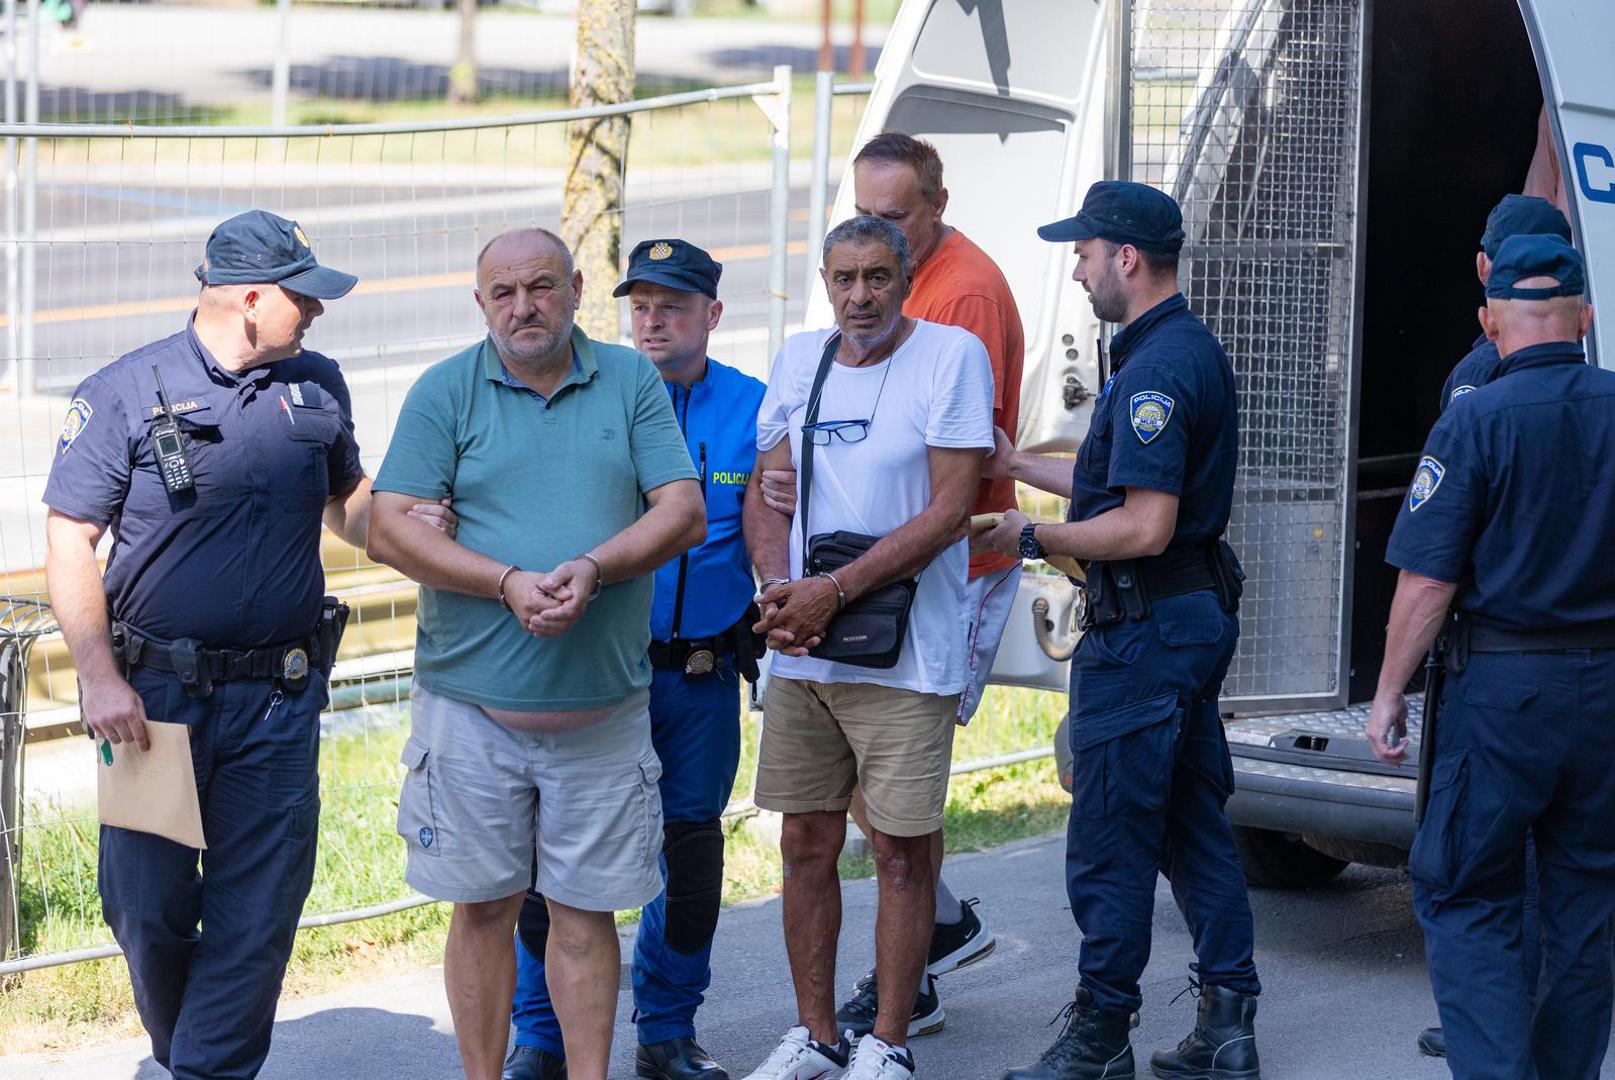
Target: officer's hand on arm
[1000, 465]
[439, 515]
[779, 489]
[1006, 535]
[572, 585]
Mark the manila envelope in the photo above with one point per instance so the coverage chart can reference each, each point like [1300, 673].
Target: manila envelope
[152, 791]
[982, 524]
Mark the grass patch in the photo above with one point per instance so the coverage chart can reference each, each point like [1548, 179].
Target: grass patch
[361, 862]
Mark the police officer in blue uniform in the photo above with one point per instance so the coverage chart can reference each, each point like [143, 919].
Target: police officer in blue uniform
[1150, 499]
[1509, 522]
[213, 456]
[701, 622]
[1515, 215]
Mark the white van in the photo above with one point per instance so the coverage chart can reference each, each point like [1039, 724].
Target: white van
[1335, 160]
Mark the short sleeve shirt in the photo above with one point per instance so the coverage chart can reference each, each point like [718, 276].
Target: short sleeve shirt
[535, 482]
[1477, 368]
[235, 561]
[1511, 499]
[1167, 421]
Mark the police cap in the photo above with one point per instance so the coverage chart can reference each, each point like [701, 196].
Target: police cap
[1521, 215]
[677, 264]
[1123, 213]
[1523, 257]
[258, 247]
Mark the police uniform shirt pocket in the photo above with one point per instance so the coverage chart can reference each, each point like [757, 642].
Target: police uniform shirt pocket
[305, 483]
[417, 822]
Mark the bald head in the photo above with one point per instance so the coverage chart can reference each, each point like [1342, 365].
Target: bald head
[520, 244]
[1519, 324]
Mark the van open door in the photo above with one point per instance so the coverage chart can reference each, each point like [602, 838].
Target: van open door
[1572, 42]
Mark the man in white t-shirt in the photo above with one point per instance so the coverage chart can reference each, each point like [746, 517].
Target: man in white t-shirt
[904, 422]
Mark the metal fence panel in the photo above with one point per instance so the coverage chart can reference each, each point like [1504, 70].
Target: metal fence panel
[1247, 112]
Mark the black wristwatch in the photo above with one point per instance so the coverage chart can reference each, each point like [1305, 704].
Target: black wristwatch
[1030, 548]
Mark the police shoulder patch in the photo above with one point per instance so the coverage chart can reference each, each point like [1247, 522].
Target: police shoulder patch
[1426, 478]
[79, 412]
[1460, 391]
[1150, 412]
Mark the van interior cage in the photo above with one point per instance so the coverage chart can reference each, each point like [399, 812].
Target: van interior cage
[1248, 112]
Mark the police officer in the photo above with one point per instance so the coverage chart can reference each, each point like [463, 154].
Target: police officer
[213, 455]
[1150, 497]
[1515, 215]
[1509, 522]
[701, 641]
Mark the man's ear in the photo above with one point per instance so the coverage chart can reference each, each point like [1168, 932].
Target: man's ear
[249, 304]
[577, 289]
[1483, 267]
[1586, 319]
[714, 313]
[477, 295]
[941, 203]
[1488, 323]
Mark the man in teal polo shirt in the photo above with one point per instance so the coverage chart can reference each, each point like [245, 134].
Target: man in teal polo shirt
[530, 735]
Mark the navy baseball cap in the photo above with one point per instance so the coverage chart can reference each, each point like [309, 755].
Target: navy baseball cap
[677, 264]
[1522, 215]
[1123, 213]
[1522, 257]
[258, 247]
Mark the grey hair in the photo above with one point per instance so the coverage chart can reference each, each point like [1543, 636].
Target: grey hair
[868, 229]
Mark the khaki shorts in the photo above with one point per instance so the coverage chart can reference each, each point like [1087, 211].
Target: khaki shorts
[481, 802]
[821, 739]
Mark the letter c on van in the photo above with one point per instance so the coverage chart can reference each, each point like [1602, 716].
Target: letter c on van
[1585, 152]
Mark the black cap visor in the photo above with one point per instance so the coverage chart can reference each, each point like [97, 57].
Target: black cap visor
[1068, 230]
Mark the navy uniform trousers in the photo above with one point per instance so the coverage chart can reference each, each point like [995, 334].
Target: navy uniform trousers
[1524, 748]
[1151, 777]
[695, 727]
[208, 998]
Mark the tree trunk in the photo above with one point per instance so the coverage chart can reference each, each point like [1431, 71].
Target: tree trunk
[597, 154]
[463, 75]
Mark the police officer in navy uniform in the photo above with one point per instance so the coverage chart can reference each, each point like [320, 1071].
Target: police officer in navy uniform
[701, 641]
[213, 456]
[1515, 215]
[1509, 522]
[1150, 498]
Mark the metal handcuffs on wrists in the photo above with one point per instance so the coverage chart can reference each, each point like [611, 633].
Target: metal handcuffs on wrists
[511, 569]
[599, 574]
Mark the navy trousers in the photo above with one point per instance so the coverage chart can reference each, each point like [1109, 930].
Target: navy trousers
[207, 996]
[1523, 749]
[1151, 777]
[695, 727]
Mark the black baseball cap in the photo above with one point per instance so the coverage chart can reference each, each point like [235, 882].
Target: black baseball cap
[258, 247]
[677, 264]
[1123, 213]
[1522, 257]
[1522, 215]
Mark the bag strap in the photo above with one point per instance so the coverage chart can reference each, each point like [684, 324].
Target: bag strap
[804, 483]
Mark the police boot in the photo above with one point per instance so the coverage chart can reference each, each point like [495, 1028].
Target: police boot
[1222, 1045]
[1092, 1046]
[676, 1059]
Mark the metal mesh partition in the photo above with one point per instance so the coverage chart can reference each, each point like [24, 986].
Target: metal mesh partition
[1247, 112]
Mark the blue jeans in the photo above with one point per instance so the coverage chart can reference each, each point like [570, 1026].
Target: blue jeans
[1525, 745]
[207, 997]
[695, 727]
[1151, 777]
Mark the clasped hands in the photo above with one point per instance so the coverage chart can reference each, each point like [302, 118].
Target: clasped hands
[795, 614]
[548, 605]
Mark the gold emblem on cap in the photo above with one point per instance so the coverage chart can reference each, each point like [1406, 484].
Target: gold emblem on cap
[661, 250]
[297, 231]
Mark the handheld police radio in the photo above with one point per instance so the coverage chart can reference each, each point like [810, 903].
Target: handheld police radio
[172, 463]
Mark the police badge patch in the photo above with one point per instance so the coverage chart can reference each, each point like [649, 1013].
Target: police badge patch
[1426, 478]
[1460, 391]
[78, 418]
[661, 250]
[1150, 413]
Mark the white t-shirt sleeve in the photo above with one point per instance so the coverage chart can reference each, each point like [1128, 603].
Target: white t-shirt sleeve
[961, 411]
[781, 397]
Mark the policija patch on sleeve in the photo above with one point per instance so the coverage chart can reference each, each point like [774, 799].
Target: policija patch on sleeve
[1426, 478]
[1150, 412]
[78, 418]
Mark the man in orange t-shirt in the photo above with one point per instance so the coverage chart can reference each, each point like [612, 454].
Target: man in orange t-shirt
[899, 178]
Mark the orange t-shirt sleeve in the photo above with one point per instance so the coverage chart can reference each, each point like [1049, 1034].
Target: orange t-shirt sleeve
[982, 317]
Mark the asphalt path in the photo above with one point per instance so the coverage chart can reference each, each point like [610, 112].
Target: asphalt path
[1342, 967]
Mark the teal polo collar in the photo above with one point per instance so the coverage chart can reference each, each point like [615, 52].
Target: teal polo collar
[584, 367]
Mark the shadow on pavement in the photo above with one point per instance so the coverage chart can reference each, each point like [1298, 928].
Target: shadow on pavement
[351, 1043]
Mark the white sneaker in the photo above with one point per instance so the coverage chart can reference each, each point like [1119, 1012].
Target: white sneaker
[799, 1057]
[876, 1060]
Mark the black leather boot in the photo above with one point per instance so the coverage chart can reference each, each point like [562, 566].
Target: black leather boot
[676, 1059]
[1222, 1045]
[1092, 1046]
[1433, 1042]
[531, 1063]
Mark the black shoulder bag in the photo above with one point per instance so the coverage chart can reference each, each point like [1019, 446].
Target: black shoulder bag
[867, 632]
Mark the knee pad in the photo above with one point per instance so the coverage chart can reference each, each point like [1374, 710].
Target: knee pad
[694, 851]
[533, 925]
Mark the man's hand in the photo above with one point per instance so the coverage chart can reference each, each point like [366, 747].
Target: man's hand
[570, 584]
[998, 465]
[796, 615]
[1006, 538]
[1388, 716]
[114, 711]
[527, 598]
[438, 515]
[779, 490]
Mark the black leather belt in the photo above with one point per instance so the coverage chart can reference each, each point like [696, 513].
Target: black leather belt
[288, 662]
[693, 656]
[1171, 573]
[1484, 638]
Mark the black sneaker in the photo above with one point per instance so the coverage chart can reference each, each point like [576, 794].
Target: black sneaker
[960, 944]
[1433, 1042]
[857, 1016]
[531, 1063]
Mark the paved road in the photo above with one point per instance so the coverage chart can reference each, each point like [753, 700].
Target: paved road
[1342, 967]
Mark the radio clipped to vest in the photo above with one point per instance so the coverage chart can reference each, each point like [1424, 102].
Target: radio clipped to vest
[169, 445]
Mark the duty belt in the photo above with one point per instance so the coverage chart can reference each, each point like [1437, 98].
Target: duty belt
[1124, 588]
[1466, 636]
[199, 667]
[693, 656]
